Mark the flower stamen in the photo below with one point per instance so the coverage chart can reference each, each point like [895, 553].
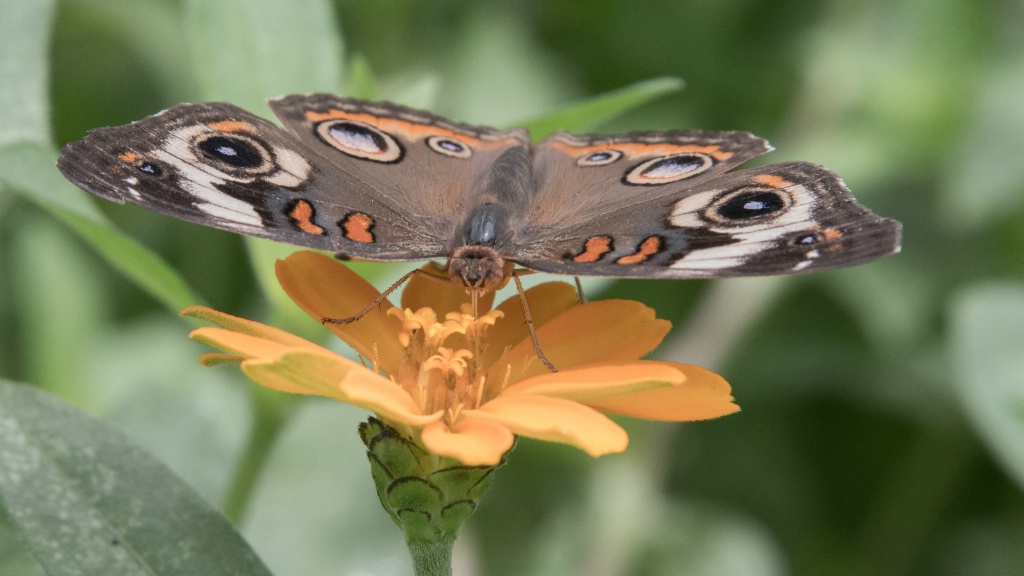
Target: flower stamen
[442, 366]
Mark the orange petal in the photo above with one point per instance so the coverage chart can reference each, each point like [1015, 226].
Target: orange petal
[248, 327]
[600, 381]
[384, 398]
[545, 300]
[556, 420]
[473, 441]
[215, 359]
[304, 372]
[702, 396]
[239, 344]
[333, 376]
[606, 331]
[434, 290]
[325, 288]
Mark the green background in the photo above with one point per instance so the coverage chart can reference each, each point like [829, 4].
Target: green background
[882, 429]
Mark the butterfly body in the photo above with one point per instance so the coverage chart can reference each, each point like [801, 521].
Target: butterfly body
[379, 181]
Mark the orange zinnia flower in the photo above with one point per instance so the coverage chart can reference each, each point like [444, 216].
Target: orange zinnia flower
[463, 386]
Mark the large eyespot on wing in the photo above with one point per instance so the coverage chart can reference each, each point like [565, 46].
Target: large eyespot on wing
[360, 140]
[236, 152]
[782, 219]
[749, 205]
[232, 151]
[756, 202]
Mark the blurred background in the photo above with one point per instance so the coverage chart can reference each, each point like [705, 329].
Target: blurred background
[882, 429]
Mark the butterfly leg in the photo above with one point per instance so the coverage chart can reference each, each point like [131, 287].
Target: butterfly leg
[376, 301]
[579, 290]
[529, 323]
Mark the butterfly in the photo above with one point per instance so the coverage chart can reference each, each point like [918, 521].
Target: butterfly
[380, 181]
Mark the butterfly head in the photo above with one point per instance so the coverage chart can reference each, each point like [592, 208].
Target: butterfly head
[478, 267]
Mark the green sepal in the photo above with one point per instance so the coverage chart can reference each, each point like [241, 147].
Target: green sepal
[428, 496]
[454, 514]
[463, 480]
[411, 493]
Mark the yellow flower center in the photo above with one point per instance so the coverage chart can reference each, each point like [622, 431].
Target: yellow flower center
[441, 368]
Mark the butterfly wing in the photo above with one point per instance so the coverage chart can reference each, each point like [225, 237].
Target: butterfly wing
[666, 205]
[385, 182]
[363, 189]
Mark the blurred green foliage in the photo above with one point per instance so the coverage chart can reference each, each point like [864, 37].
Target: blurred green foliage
[882, 429]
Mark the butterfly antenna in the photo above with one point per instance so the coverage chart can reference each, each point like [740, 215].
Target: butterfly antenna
[529, 323]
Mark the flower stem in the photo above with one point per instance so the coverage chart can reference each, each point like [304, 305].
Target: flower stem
[271, 411]
[432, 558]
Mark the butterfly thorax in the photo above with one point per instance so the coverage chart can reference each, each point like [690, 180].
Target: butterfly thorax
[498, 198]
[475, 262]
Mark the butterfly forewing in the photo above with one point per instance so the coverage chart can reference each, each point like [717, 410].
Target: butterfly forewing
[220, 166]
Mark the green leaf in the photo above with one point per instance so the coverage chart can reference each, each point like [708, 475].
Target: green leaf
[57, 305]
[897, 321]
[986, 346]
[315, 510]
[985, 182]
[247, 51]
[90, 502]
[494, 73]
[148, 270]
[361, 82]
[420, 89]
[156, 46]
[25, 90]
[30, 169]
[15, 557]
[590, 113]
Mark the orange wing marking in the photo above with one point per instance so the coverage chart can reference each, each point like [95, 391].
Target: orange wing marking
[649, 247]
[232, 126]
[392, 125]
[594, 249]
[772, 181]
[358, 227]
[653, 150]
[832, 234]
[302, 215]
